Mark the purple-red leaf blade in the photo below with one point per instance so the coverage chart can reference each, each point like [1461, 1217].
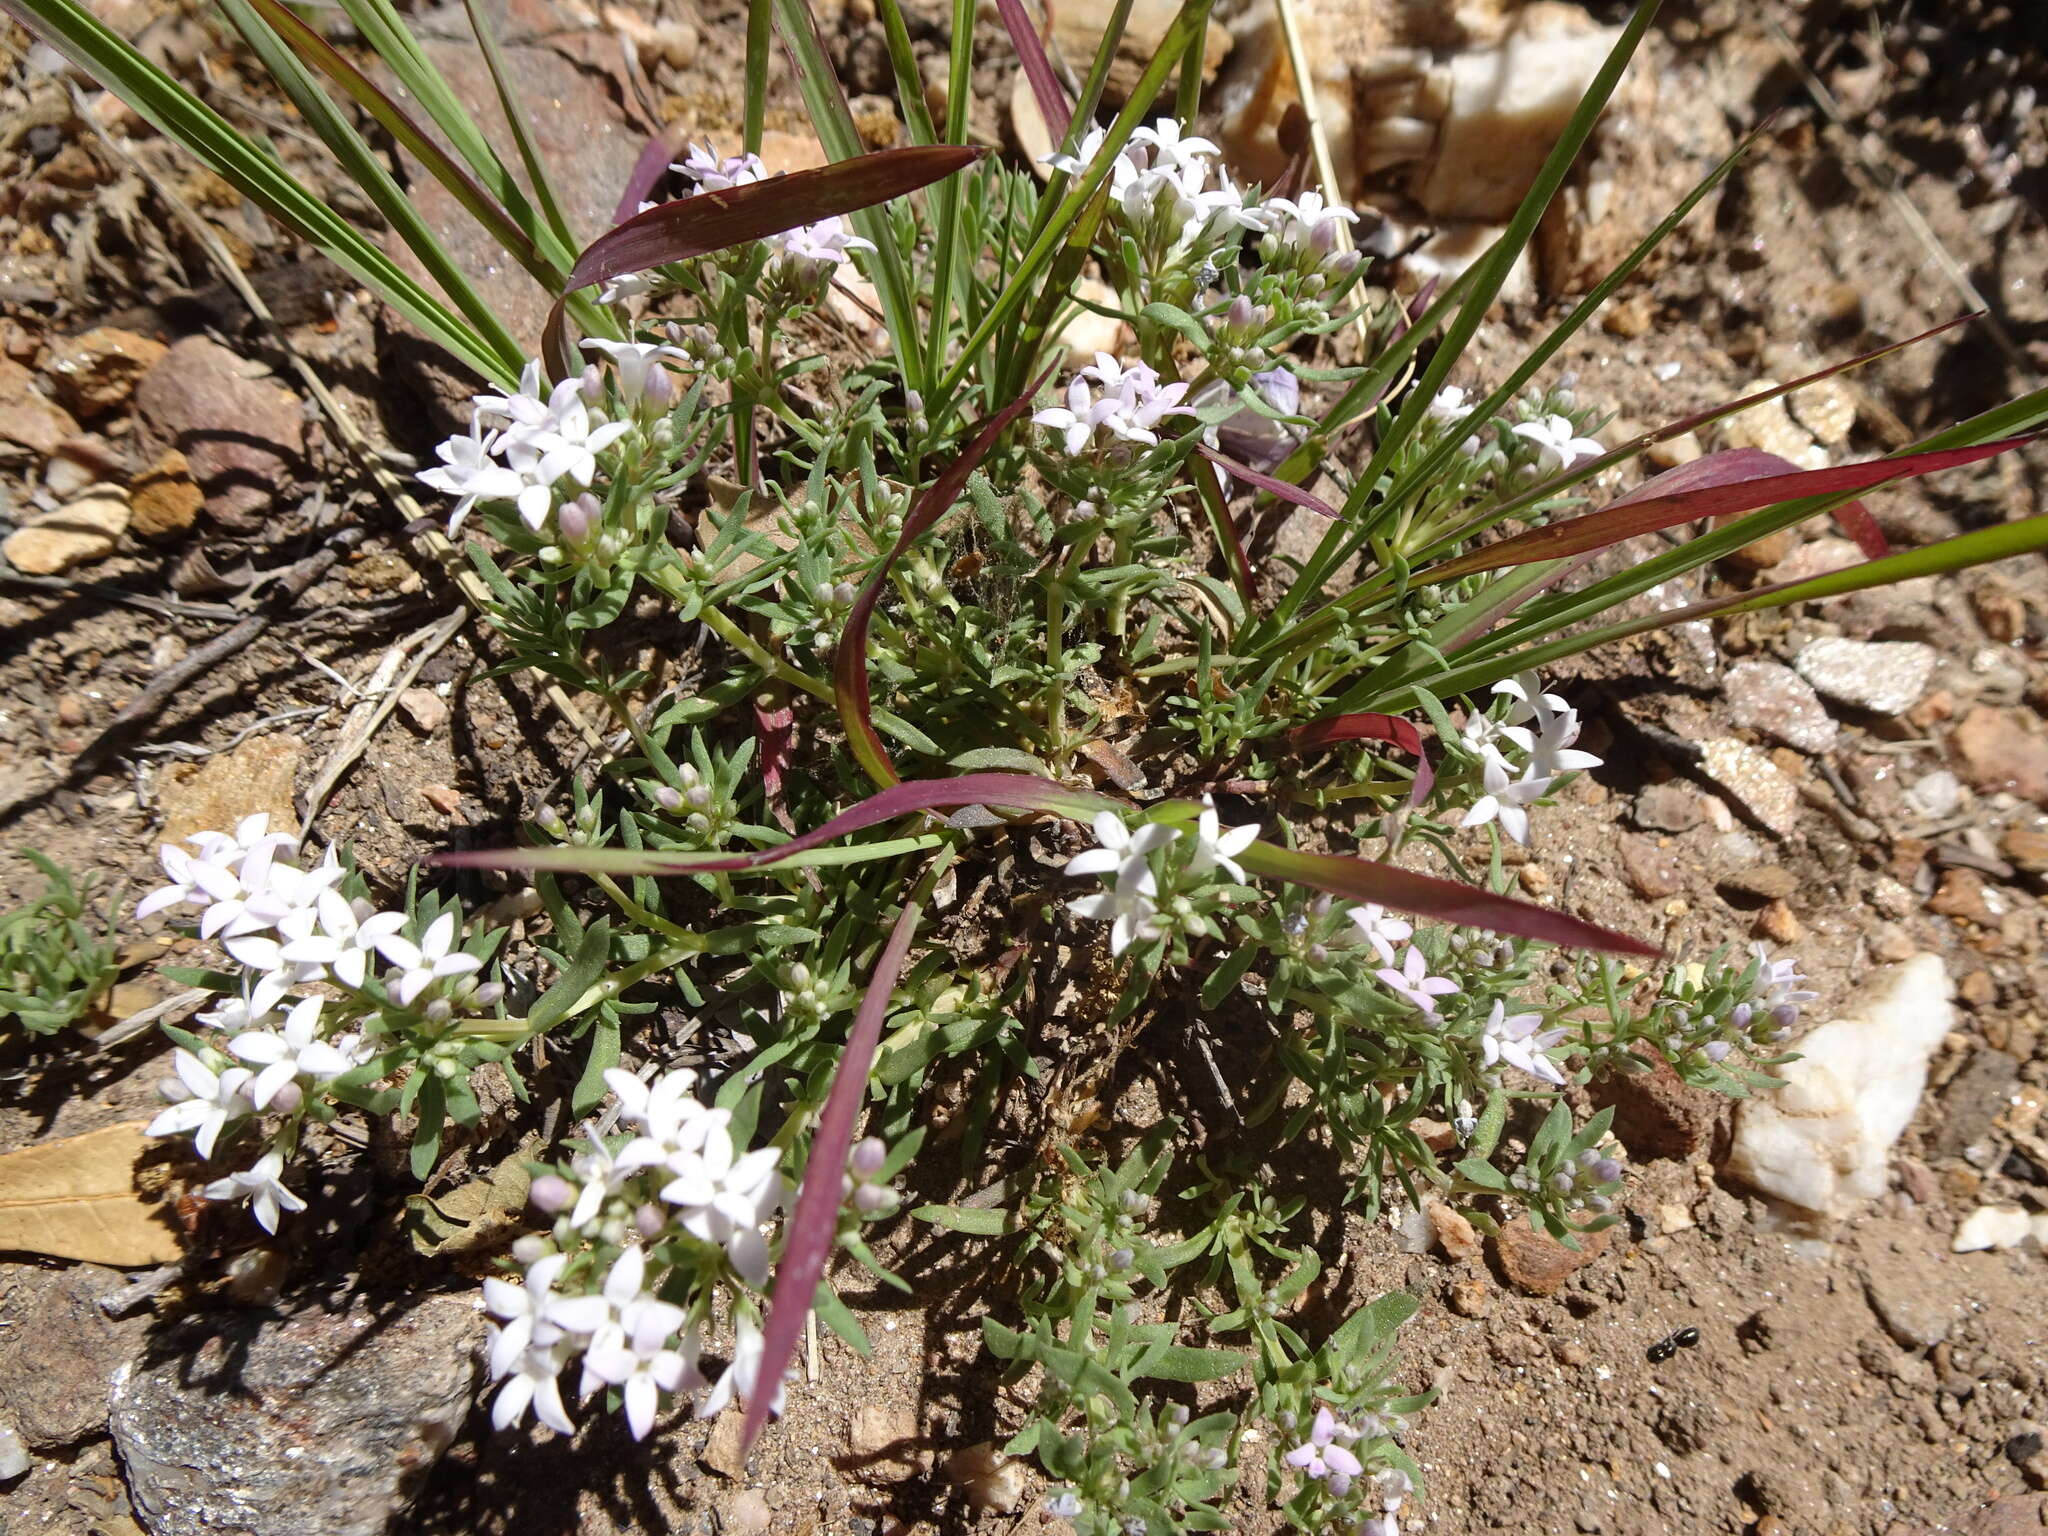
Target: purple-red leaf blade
[1641, 513]
[1286, 490]
[1012, 791]
[1046, 89]
[814, 1224]
[1426, 896]
[850, 658]
[711, 221]
[1369, 726]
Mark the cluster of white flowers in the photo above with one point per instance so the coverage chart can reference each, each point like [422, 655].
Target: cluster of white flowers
[1553, 437]
[677, 1176]
[287, 928]
[1537, 725]
[1131, 905]
[1129, 409]
[522, 447]
[1171, 193]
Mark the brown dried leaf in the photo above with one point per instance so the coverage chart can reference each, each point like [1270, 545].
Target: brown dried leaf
[76, 1199]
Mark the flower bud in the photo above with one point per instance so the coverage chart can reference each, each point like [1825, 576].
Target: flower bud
[1241, 315]
[874, 1199]
[287, 1098]
[439, 1011]
[549, 820]
[649, 1219]
[591, 386]
[845, 593]
[1716, 1050]
[489, 994]
[699, 798]
[1607, 1170]
[668, 797]
[578, 519]
[531, 1249]
[552, 1193]
[867, 1158]
[660, 392]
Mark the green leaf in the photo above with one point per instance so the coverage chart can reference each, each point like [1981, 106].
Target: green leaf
[432, 1102]
[604, 1055]
[581, 974]
[976, 1221]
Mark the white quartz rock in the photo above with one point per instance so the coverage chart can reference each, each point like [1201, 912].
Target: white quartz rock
[1992, 1226]
[1819, 1143]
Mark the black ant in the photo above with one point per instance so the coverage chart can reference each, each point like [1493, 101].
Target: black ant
[1665, 1348]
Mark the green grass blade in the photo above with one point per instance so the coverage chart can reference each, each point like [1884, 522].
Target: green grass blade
[949, 258]
[760, 38]
[368, 173]
[917, 117]
[393, 42]
[833, 121]
[321, 54]
[522, 129]
[1346, 536]
[185, 120]
[1053, 236]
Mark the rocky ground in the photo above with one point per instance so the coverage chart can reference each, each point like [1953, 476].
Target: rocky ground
[1860, 782]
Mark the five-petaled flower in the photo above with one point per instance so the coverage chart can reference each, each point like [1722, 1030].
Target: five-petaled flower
[262, 1187]
[1519, 1040]
[1414, 982]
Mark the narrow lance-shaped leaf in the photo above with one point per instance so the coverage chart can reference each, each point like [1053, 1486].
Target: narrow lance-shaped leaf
[814, 1224]
[653, 164]
[1286, 490]
[1426, 896]
[1368, 726]
[711, 221]
[1629, 518]
[1015, 791]
[850, 658]
[479, 204]
[1981, 547]
[1046, 89]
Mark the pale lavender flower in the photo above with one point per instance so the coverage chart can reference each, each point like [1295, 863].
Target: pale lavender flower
[420, 965]
[1117, 845]
[1129, 908]
[742, 1378]
[1519, 1040]
[203, 1101]
[1507, 799]
[1320, 1456]
[1414, 982]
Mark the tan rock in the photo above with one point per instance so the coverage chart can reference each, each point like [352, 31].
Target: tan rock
[1453, 1233]
[166, 498]
[1078, 27]
[212, 796]
[1995, 749]
[98, 370]
[26, 418]
[1470, 1296]
[882, 1443]
[1754, 781]
[1087, 332]
[1506, 111]
[425, 709]
[994, 1483]
[81, 531]
[241, 432]
[1536, 1263]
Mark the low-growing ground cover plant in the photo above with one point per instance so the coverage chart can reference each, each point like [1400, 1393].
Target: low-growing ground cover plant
[999, 774]
[58, 957]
